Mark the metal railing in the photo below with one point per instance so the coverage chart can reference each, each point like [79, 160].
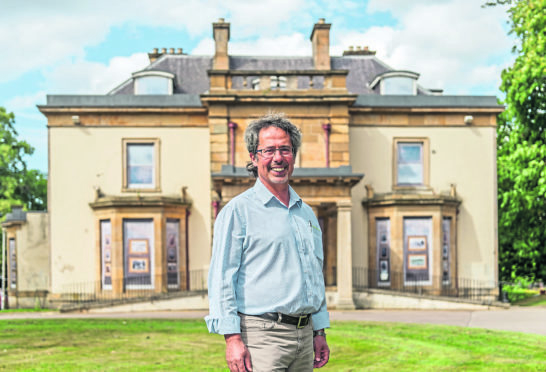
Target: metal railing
[429, 285]
[139, 288]
[144, 287]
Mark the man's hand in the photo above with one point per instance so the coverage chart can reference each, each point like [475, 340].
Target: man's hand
[237, 355]
[322, 352]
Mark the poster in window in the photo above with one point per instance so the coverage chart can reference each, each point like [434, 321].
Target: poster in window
[172, 267]
[417, 243]
[13, 263]
[384, 270]
[107, 255]
[106, 249]
[171, 254]
[138, 246]
[417, 262]
[138, 265]
[173, 247]
[384, 250]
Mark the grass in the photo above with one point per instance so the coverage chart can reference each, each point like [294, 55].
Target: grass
[185, 345]
[35, 310]
[533, 301]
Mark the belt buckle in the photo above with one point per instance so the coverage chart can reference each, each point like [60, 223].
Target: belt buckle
[302, 317]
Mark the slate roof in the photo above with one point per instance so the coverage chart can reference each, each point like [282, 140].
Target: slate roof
[192, 78]
[344, 171]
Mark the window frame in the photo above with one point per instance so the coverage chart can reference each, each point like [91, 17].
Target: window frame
[425, 163]
[379, 79]
[159, 74]
[126, 187]
[382, 87]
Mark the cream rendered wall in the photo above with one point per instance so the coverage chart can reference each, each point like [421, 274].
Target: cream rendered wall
[464, 156]
[86, 157]
[33, 253]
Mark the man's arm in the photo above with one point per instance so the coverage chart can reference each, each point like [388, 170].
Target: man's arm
[223, 273]
[237, 355]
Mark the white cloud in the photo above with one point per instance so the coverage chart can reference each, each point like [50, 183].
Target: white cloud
[22, 103]
[286, 45]
[84, 77]
[34, 33]
[451, 43]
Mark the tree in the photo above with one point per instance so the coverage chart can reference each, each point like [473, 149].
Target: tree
[18, 185]
[521, 147]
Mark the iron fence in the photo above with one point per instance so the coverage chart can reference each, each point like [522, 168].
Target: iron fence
[142, 287]
[425, 285]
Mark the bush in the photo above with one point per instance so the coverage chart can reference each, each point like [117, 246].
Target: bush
[520, 290]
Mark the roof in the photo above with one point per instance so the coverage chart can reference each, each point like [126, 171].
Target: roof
[191, 75]
[192, 79]
[17, 215]
[124, 100]
[229, 171]
[426, 101]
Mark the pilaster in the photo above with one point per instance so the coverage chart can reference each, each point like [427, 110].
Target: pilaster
[344, 256]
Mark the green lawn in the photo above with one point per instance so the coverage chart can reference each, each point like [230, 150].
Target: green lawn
[533, 301]
[185, 345]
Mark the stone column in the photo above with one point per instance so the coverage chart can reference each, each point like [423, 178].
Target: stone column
[344, 256]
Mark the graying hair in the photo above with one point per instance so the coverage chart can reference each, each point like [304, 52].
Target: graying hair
[278, 120]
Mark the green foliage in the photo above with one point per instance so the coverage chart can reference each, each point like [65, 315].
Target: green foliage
[18, 185]
[520, 290]
[521, 148]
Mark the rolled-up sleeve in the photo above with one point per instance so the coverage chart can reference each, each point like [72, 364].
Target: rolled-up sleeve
[223, 272]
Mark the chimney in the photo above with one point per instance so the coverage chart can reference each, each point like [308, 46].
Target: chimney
[220, 32]
[360, 51]
[320, 37]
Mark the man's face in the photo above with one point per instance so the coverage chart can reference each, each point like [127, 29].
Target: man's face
[275, 171]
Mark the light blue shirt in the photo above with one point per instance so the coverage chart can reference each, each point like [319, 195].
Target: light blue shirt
[266, 257]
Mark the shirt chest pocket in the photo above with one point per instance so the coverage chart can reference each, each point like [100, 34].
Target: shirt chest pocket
[314, 244]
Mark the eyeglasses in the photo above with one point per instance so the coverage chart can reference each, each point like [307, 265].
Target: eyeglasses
[269, 152]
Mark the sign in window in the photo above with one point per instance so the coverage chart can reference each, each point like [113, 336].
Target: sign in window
[106, 253]
[417, 250]
[138, 246]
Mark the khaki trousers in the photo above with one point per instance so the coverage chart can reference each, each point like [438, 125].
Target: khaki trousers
[277, 346]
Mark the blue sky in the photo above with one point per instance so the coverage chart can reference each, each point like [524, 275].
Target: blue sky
[89, 47]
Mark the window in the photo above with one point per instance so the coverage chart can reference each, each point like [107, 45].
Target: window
[106, 253]
[410, 161]
[138, 252]
[153, 82]
[383, 232]
[12, 264]
[446, 249]
[173, 248]
[396, 83]
[417, 250]
[141, 165]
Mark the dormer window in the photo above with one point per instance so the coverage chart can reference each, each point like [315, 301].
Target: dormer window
[153, 82]
[396, 83]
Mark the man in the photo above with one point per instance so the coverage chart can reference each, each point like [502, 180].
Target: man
[266, 289]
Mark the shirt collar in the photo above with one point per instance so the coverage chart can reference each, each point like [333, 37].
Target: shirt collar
[264, 195]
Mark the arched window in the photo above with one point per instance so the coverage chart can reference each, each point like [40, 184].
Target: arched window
[396, 83]
[153, 82]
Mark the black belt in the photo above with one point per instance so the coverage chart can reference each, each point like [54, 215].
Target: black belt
[299, 321]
